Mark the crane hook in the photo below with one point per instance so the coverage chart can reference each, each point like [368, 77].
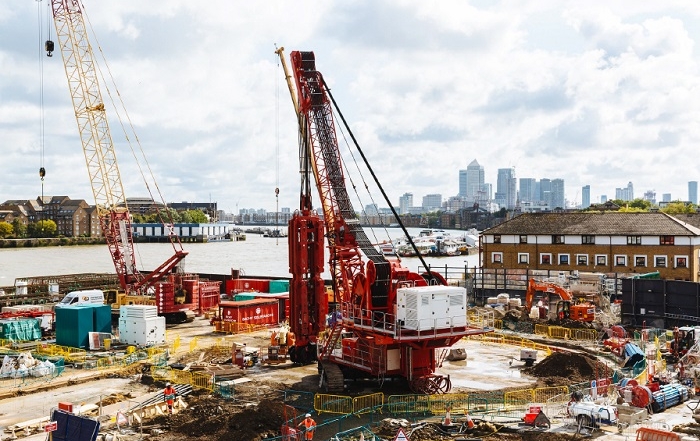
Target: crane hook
[49, 48]
[42, 173]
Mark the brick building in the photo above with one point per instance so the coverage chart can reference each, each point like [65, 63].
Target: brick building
[595, 242]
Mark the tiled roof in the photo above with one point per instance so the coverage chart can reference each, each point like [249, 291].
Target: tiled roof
[597, 223]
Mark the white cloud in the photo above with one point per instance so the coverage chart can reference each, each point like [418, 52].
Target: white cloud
[601, 95]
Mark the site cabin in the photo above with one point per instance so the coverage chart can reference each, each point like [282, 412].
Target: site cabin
[86, 297]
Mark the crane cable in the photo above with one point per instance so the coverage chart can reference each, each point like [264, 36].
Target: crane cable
[42, 170]
[176, 243]
[277, 149]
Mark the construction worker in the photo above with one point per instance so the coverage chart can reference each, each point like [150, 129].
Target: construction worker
[309, 427]
[169, 396]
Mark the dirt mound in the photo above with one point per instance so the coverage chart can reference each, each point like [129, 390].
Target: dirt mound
[567, 368]
[217, 420]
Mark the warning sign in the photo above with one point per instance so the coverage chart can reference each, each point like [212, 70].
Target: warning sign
[400, 435]
[51, 426]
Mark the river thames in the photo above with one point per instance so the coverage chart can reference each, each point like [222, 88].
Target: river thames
[255, 256]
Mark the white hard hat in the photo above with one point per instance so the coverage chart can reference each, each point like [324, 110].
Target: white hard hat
[308, 415]
[167, 384]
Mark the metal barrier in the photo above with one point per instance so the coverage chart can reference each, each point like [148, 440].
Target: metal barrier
[362, 403]
[339, 404]
[193, 343]
[300, 400]
[408, 404]
[69, 354]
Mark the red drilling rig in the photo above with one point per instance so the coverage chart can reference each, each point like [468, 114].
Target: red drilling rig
[386, 321]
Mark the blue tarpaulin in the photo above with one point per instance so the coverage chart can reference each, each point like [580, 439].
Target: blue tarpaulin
[632, 354]
[74, 427]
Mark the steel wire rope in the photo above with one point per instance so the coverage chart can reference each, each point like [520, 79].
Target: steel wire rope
[128, 139]
[277, 149]
[364, 183]
[376, 180]
[42, 128]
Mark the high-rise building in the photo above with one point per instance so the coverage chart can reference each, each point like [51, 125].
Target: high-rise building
[471, 180]
[558, 194]
[586, 196]
[405, 203]
[506, 188]
[528, 186]
[693, 192]
[650, 195]
[666, 197]
[432, 202]
[603, 198]
[626, 193]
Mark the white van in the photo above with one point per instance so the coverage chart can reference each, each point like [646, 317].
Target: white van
[89, 296]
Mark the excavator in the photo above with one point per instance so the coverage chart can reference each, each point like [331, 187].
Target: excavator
[385, 321]
[567, 307]
[175, 294]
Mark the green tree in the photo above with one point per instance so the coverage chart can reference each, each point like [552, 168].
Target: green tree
[42, 228]
[5, 229]
[196, 216]
[678, 208]
[20, 230]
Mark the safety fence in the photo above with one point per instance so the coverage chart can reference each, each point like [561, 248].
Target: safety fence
[176, 376]
[46, 369]
[561, 332]
[236, 328]
[513, 340]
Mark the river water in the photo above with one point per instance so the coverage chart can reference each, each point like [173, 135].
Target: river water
[255, 256]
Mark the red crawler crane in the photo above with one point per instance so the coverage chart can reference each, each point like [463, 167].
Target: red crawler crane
[388, 321]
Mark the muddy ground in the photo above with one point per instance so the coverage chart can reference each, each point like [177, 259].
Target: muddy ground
[257, 411]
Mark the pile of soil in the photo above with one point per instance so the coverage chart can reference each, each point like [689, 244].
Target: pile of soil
[217, 420]
[562, 368]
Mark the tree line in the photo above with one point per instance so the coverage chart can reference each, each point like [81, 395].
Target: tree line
[48, 228]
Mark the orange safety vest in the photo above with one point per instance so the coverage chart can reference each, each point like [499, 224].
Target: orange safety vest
[310, 426]
[169, 394]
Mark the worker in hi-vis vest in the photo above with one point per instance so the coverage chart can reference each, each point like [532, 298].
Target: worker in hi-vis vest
[309, 427]
[169, 396]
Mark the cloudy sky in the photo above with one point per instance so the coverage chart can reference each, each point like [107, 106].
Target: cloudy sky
[598, 92]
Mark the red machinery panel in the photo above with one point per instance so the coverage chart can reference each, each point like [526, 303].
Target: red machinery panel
[250, 312]
[236, 286]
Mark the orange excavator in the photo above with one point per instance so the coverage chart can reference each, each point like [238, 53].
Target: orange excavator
[567, 307]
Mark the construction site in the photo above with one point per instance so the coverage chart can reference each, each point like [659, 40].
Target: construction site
[376, 351]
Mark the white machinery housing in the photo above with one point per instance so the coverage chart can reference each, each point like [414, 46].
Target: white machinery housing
[421, 308]
[140, 325]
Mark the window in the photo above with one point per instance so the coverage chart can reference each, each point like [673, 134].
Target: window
[667, 240]
[496, 238]
[523, 258]
[496, 257]
[660, 261]
[557, 238]
[582, 259]
[620, 260]
[681, 261]
[588, 239]
[634, 240]
[523, 238]
[546, 259]
[640, 261]
[563, 259]
[601, 260]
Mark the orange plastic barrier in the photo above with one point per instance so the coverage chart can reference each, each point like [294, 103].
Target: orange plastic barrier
[649, 434]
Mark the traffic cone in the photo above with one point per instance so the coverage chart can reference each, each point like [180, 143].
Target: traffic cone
[448, 420]
[470, 423]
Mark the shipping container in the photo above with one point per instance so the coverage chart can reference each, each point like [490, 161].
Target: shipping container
[251, 312]
[73, 324]
[236, 286]
[279, 286]
[283, 298]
